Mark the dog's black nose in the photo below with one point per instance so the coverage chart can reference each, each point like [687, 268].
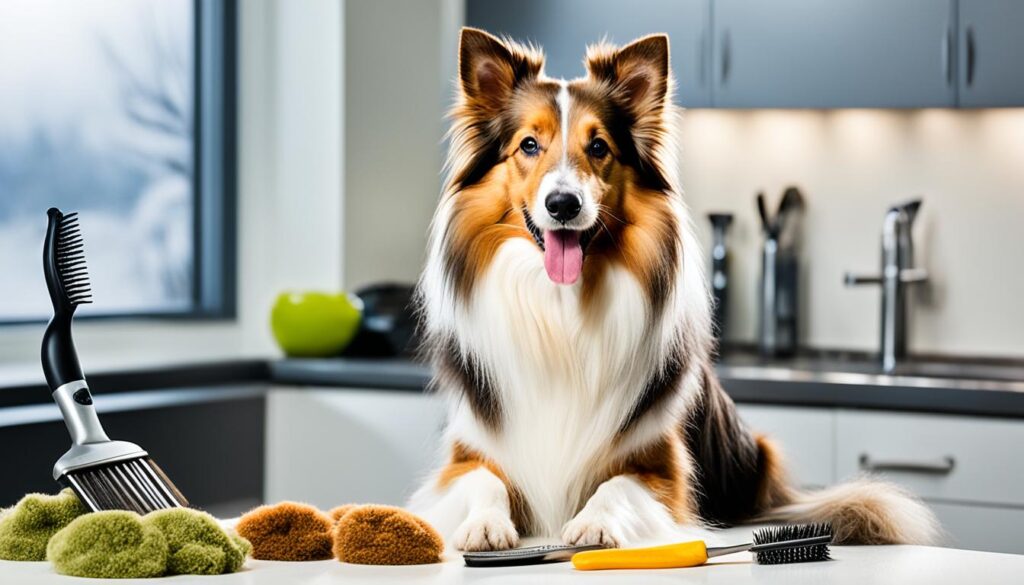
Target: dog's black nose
[563, 206]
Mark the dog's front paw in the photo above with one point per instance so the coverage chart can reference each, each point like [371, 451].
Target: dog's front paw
[486, 531]
[593, 529]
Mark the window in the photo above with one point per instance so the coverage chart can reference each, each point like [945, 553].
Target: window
[121, 110]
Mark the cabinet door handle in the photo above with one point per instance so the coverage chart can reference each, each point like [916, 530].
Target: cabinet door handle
[947, 55]
[971, 55]
[942, 466]
[726, 56]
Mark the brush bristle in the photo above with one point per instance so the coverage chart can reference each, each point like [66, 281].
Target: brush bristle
[798, 554]
[74, 275]
[137, 485]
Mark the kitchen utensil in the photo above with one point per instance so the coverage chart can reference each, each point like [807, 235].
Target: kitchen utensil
[779, 308]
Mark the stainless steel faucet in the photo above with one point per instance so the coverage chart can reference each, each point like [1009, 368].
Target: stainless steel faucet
[897, 273]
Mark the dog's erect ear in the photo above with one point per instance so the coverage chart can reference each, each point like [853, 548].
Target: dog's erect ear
[639, 73]
[490, 69]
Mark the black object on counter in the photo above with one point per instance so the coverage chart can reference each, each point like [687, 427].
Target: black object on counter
[388, 326]
[780, 276]
[719, 269]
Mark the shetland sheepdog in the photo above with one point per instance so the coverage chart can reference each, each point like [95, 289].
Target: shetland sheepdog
[567, 317]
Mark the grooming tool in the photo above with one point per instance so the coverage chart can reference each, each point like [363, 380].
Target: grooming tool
[720, 268]
[774, 545]
[105, 474]
[531, 555]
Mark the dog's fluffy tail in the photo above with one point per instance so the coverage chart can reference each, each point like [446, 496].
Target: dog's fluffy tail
[862, 511]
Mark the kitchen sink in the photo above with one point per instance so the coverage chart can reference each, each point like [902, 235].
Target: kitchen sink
[850, 367]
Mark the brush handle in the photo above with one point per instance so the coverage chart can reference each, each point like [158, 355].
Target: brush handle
[670, 556]
[60, 360]
[75, 403]
[59, 357]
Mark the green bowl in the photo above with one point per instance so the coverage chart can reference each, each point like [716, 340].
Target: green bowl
[315, 324]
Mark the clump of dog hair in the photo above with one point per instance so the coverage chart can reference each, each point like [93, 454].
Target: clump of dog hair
[26, 528]
[116, 544]
[338, 511]
[112, 544]
[385, 535]
[288, 531]
[197, 545]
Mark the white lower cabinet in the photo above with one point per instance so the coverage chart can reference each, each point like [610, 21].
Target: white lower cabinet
[968, 469]
[335, 446]
[947, 458]
[988, 528]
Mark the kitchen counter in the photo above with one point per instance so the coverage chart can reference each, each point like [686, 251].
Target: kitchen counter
[935, 386]
[850, 565]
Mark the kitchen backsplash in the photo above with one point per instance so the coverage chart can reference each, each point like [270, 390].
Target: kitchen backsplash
[851, 164]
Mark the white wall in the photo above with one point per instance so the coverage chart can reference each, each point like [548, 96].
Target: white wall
[851, 164]
[399, 58]
[290, 99]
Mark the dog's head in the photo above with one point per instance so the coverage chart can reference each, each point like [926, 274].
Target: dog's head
[577, 166]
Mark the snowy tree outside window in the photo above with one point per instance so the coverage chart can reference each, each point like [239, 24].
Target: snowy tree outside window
[96, 116]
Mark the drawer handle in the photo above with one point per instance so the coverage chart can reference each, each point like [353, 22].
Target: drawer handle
[943, 466]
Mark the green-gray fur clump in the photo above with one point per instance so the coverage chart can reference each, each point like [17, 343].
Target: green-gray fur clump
[197, 544]
[27, 527]
[113, 544]
[117, 544]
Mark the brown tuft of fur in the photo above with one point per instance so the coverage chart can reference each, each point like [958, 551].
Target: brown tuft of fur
[385, 535]
[288, 531]
[338, 511]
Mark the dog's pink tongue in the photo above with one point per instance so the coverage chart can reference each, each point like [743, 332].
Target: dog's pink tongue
[563, 255]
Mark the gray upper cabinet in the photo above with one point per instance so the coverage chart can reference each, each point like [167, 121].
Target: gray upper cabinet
[834, 54]
[991, 53]
[565, 27]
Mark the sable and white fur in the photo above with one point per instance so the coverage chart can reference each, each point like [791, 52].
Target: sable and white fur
[589, 411]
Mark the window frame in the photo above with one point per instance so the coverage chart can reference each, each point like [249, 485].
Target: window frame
[214, 177]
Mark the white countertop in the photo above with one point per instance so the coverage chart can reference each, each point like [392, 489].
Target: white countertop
[850, 565]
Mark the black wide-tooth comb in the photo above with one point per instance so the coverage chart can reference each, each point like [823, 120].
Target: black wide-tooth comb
[105, 474]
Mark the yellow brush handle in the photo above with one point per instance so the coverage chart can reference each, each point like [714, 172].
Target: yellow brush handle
[670, 556]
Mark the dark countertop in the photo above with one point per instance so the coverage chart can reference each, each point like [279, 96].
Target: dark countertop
[948, 386]
[26, 390]
[840, 380]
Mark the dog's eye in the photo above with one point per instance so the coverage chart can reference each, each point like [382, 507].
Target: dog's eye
[529, 146]
[597, 148]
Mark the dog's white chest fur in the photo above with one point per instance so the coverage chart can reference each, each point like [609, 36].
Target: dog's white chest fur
[566, 378]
